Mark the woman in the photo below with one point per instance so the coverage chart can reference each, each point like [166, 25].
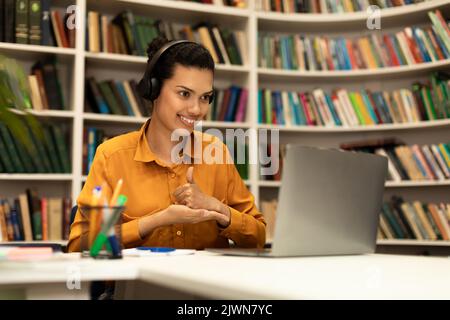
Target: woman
[174, 203]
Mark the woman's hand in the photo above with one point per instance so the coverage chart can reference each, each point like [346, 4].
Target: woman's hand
[191, 196]
[175, 214]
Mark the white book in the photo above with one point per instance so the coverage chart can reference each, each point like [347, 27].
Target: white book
[36, 99]
[242, 46]
[221, 45]
[299, 50]
[440, 160]
[407, 106]
[345, 100]
[286, 108]
[340, 111]
[323, 107]
[405, 48]
[391, 168]
[132, 99]
[432, 162]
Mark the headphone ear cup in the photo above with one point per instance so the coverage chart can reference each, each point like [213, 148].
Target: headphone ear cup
[154, 88]
[143, 88]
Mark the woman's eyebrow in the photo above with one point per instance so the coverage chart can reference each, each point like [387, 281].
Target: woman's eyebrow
[186, 88]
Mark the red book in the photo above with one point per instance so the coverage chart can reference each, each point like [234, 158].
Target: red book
[58, 28]
[436, 47]
[413, 48]
[444, 24]
[391, 50]
[309, 118]
[351, 54]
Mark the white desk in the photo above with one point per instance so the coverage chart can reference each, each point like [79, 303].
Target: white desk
[220, 277]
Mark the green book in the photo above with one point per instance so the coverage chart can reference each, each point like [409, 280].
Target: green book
[61, 147]
[107, 93]
[16, 161]
[52, 150]
[356, 107]
[41, 152]
[35, 22]
[29, 162]
[6, 159]
[386, 211]
[268, 105]
[21, 24]
[34, 205]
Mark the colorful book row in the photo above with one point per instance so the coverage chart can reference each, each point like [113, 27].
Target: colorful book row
[410, 46]
[341, 107]
[29, 217]
[127, 33]
[328, 6]
[414, 220]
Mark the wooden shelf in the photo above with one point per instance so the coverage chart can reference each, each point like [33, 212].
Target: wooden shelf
[409, 242]
[389, 184]
[379, 127]
[61, 242]
[174, 10]
[406, 184]
[47, 113]
[96, 117]
[267, 74]
[36, 176]
[112, 118]
[109, 60]
[306, 22]
[35, 52]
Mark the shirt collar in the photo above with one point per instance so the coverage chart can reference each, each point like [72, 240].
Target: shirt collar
[144, 153]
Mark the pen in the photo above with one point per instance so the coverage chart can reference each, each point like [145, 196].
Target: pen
[103, 235]
[93, 216]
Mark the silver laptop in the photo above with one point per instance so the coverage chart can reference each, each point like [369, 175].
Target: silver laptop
[329, 204]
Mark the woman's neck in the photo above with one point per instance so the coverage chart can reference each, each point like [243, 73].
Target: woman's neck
[158, 139]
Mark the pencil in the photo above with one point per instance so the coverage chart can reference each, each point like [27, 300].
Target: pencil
[116, 193]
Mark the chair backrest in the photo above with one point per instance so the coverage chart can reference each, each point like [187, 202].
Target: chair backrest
[73, 213]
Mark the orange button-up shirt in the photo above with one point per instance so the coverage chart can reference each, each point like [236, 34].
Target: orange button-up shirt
[149, 184]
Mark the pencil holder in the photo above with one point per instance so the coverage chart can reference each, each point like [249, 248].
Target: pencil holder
[101, 232]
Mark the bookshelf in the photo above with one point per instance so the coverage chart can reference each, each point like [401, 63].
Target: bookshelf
[79, 64]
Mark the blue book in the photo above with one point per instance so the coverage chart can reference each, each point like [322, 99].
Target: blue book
[419, 164]
[340, 57]
[383, 104]
[260, 107]
[279, 107]
[398, 50]
[330, 104]
[294, 109]
[232, 104]
[92, 138]
[348, 64]
[123, 95]
[440, 43]
[423, 51]
[379, 107]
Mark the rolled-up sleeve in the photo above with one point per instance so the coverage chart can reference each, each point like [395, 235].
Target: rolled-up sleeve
[98, 176]
[247, 227]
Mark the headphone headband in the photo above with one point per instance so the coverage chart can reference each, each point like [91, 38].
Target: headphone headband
[160, 52]
[150, 86]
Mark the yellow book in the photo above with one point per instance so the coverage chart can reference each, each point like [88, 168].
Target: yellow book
[207, 42]
[370, 59]
[423, 218]
[400, 106]
[363, 108]
[444, 154]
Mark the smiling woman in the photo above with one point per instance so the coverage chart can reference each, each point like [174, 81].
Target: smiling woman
[174, 203]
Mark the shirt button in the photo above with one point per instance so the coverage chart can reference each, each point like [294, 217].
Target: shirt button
[178, 233]
[173, 175]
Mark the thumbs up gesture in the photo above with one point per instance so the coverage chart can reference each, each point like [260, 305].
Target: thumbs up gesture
[190, 194]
